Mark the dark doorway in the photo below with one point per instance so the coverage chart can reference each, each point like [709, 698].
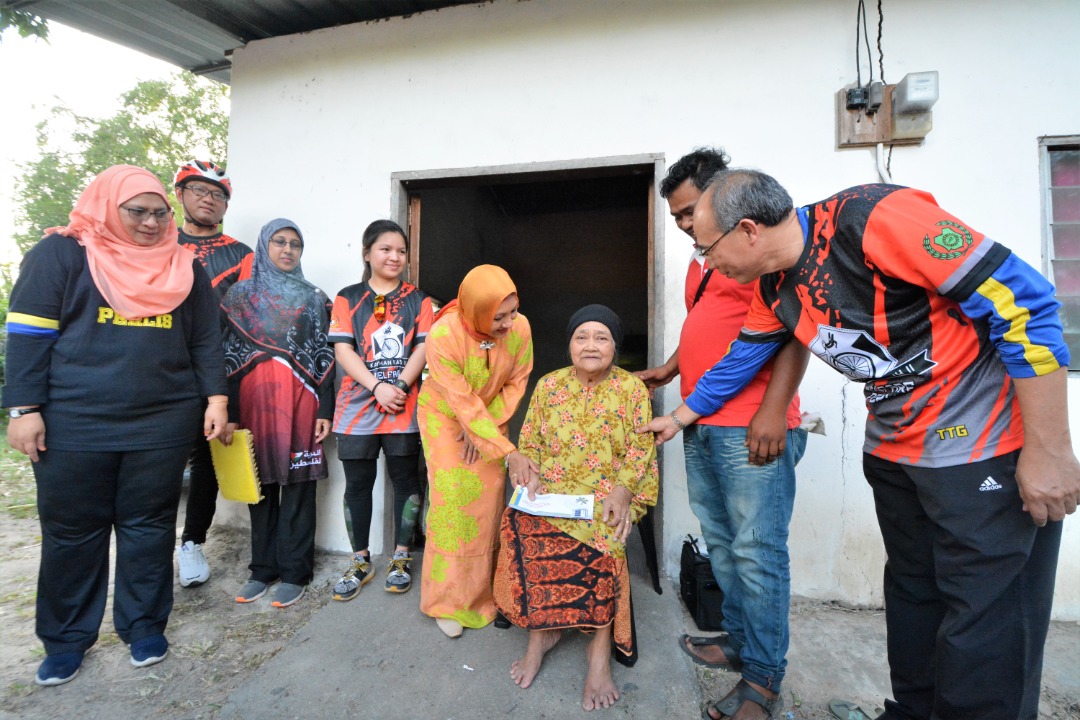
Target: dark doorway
[567, 236]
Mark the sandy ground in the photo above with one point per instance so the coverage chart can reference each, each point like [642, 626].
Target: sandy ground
[839, 652]
[218, 646]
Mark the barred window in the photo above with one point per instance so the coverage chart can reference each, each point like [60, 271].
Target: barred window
[1061, 212]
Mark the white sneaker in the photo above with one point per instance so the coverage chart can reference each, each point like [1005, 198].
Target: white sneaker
[194, 570]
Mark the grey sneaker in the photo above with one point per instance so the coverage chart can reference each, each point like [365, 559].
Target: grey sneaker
[354, 578]
[287, 594]
[252, 591]
[193, 568]
[399, 574]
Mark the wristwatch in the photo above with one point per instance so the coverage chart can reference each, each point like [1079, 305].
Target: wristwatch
[401, 385]
[19, 412]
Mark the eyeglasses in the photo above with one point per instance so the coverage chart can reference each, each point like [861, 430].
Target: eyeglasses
[139, 214]
[201, 192]
[706, 251]
[380, 308]
[282, 243]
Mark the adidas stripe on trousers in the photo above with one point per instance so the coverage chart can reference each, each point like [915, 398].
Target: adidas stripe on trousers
[969, 582]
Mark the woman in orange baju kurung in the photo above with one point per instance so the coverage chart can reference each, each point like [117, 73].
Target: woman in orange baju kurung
[479, 354]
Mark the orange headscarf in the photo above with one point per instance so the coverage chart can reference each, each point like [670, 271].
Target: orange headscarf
[136, 281]
[479, 296]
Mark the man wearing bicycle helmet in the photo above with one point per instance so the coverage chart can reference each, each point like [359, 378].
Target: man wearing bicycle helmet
[203, 190]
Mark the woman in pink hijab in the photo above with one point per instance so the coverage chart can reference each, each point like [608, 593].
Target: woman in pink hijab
[114, 367]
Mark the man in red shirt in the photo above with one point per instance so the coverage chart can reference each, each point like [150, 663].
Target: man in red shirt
[740, 461]
[204, 190]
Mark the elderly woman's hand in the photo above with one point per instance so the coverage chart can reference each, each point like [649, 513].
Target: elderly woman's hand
[525, 473]
[617, 512]
[27, 435]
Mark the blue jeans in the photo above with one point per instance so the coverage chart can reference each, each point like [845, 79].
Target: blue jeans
[744, 511]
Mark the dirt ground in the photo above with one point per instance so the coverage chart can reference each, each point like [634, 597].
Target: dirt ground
[216, 644]
[839, 652]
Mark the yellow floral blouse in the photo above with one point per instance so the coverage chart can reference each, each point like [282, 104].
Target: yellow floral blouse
[584, 441]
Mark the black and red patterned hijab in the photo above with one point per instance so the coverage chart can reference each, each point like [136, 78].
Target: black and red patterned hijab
[278, 314]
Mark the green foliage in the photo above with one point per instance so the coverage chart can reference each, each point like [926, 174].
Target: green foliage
[5, 295]
[46, 190]
[26, 23]
[161, 123]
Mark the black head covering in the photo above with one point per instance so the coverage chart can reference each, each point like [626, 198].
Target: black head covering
[596, 313]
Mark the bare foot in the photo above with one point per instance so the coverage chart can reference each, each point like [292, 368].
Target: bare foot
[600, 689]
[524, 671]
[708, 653]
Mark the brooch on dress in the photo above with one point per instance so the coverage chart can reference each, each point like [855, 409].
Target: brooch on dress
[487, 344]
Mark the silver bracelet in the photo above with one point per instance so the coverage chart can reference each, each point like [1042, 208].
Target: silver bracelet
[678, 423]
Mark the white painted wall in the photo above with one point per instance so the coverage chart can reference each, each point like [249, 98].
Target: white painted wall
[320, 121]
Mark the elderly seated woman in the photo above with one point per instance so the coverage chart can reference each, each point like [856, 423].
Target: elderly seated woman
[555, 573]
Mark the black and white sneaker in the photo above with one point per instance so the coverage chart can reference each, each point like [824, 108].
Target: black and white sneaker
[399, 574]
[354, 578]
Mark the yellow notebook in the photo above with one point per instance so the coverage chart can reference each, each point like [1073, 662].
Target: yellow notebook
[236, 469]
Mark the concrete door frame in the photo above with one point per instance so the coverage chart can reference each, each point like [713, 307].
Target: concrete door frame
[401, 183]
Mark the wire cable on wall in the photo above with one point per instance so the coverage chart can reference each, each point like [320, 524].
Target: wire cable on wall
[880, 52]
[884, 163]
[862, 34]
